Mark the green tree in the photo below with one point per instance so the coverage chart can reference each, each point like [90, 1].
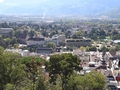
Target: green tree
[13, 40]
[80, 33]
[12, 71]
[117, 47]
[92, 48]
[51, 45]
[34, 72]
[9, 87]
[40, 85]
[104, 50]
[1, 50]
[31, 33]
[87, 48]
[2, 43]
[82, 48]
[63, 65]
[16, 45]
[17, 33]
[7, 41]
[95, 81]
[91, 81]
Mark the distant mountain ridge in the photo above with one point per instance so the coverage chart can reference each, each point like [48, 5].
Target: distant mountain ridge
[66, 7]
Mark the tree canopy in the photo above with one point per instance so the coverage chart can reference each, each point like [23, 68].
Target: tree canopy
[20, 73]
[91, 81]
[63, 65]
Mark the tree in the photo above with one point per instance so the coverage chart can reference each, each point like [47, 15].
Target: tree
[82, 48]
[13, 41]
[80, 33]
[17, 33]
[117, 47]
[40, 84]
[51, 45]
[104, 50]
[87, 48]
[12, 71]
[1, 50]
[95, 81]
[34, 72]
[7, 41]
[9, 87]
[102, 33]
[2, 43]
[91, 81]
[36, 27]
[92, 48]
[31, 33]
[63, 65]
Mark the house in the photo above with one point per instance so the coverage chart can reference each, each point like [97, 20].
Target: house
[60, 39]
[116, 41]
[35, 41]
[44, 50]
[78, 42]
[23, 38]
[5, 30]
[57, 39]
[50, 40]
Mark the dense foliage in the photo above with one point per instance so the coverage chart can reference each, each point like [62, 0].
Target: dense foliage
[62, 65]
[25, 73]
[15, 75]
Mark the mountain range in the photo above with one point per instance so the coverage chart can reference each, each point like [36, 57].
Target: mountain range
[108, 8]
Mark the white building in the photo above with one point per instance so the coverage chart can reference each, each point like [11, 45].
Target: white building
[57, 39]
[25, 53]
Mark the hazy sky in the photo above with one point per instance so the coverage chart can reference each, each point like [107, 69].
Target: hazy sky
[36, 2]
[20, 2]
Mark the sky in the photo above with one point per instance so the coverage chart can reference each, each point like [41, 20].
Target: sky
[1, 1]
[21, 2]
[35, 2]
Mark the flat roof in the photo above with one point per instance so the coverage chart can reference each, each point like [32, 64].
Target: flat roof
[91, 62]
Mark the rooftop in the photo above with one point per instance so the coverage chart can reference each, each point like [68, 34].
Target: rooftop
[35, 39]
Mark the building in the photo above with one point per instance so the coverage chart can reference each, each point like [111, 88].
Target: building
[47, 40]
[23, 38]
[116, 41]
[44, 50]
[14, 50]
[25, 53]
[5, 30]
[57, 39]
[78, 42]
[35, 41]
[60, 39]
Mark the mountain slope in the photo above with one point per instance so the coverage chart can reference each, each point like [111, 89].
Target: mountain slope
[58, 7]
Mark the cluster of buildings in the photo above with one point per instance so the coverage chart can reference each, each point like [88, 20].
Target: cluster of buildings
[92, 60]
[57, 39]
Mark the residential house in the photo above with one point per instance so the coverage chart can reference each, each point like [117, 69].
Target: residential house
[5, 30]
[35, 41]
[116, 41]
[23, 38]
[44, 50]
[57, 39]
[78, 42]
